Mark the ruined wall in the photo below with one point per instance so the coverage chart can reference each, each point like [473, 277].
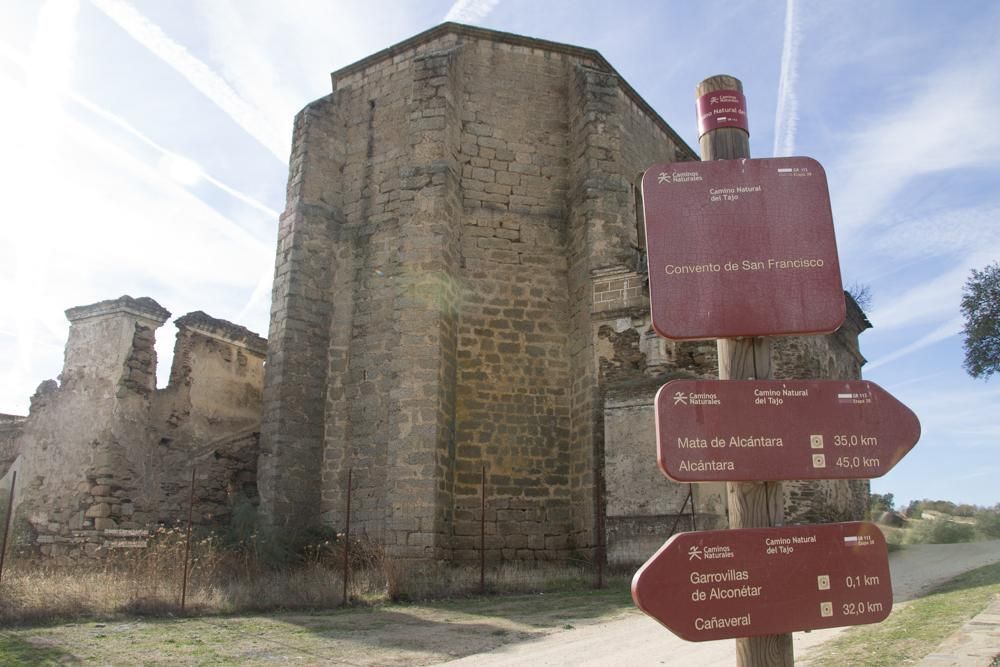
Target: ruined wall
[11, 428]
[86, 450]
[207, 420]
[102, 450]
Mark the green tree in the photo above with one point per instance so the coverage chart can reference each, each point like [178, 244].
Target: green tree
[981, 310]
[881, 502]
[988, 522]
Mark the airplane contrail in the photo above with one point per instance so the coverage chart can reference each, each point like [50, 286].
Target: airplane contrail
[786, 115]
[197, 73]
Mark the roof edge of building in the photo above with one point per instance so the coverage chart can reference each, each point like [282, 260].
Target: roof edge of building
[475, 32]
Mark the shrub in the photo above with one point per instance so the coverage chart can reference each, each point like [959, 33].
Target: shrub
[941, 531]
[988, 523]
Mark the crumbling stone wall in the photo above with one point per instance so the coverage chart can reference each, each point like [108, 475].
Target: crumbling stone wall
[207, 420]
[84, 454]
[11, 428]
[102, 450]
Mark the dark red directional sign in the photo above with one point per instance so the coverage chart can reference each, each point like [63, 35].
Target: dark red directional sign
[721, 584]
[770, 430]
[741, 248]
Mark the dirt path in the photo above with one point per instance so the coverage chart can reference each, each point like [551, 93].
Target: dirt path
[638, 640]
[578, 628]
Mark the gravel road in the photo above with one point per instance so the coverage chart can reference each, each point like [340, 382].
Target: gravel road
[639, 640]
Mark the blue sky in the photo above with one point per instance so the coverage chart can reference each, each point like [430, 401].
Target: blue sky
[143, 150]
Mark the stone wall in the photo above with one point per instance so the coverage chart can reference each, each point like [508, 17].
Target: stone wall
[11, 428]
[643, 506]
[447, 205]
[104, 450]
[460, 291]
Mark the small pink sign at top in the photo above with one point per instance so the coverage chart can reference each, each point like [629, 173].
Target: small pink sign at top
[722, 108]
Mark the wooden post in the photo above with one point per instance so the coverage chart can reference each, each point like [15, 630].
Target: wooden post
[751, 504]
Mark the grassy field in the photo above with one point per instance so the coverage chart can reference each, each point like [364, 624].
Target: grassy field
[914, 628]
[391, 634]
[432, 632]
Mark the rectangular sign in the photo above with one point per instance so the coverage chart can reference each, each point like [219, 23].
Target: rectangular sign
[741, 248]
[772, 430]
[722, 584]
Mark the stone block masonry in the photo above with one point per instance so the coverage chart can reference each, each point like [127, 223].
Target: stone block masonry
[433, 295]
[105, 450]
[459, 287]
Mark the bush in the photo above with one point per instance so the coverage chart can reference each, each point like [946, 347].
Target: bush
[988, 523]
[942, 506]
[940, 531]
[966, 510]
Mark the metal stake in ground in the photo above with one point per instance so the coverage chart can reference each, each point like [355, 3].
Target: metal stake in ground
[187, 542]
[347, 536]
[482, 535]
[724, 136]
[6, 526]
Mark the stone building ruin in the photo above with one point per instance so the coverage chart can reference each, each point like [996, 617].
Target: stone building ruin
[105, 450]
[459, 287]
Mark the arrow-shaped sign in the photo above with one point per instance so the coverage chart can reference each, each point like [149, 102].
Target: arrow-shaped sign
[720, 584]
[767, 430]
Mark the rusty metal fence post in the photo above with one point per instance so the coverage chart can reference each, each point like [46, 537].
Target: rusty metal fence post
[482, 535]
[6, 527]
[187, 542]
[347, 536]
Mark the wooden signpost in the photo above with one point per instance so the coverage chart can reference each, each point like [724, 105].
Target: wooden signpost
[740, 250]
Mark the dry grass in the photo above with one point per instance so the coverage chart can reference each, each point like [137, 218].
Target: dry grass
[129, 582]
[149, 581]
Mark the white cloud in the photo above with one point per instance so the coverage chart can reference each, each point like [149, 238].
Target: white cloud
[902, 140]
[470, 11]
[962, 231]
[946, 330]
[955, 417]
[929, 301]
[238, 44]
